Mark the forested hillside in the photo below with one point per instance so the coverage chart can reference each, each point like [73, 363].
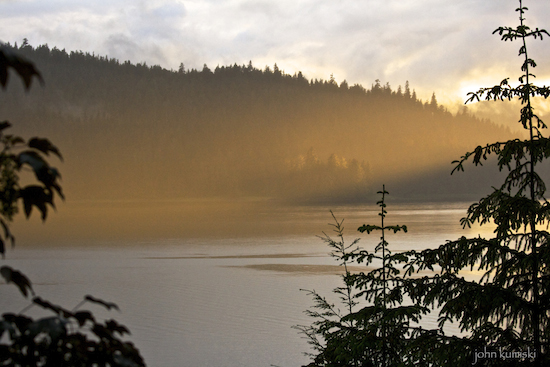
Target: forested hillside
[236, 131]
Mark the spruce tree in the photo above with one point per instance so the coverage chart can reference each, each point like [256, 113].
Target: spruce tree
[505, 315]
[390, 323]
[382, 331]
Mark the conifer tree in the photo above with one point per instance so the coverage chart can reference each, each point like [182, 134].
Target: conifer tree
[505, 315]
[332, 336]
[382, 331]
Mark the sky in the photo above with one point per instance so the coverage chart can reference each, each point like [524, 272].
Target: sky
[444, 47]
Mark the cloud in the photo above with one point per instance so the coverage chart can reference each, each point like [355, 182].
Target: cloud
[437, 45]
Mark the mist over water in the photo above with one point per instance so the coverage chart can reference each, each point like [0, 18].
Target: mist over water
[81, 222]
[226, 292]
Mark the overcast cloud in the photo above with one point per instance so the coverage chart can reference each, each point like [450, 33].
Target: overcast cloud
[441, 46]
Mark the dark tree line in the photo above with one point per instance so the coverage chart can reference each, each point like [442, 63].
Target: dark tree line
[232, 131]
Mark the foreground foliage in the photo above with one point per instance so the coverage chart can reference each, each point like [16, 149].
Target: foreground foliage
[377, 334]
[69, 337]
[508, 309]
[504, 316]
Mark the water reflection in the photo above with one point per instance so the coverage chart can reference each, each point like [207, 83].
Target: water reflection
[222, 292]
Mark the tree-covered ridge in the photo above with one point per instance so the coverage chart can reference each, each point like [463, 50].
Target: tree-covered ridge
[236, 130]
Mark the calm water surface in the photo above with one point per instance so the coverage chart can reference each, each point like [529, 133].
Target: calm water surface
[214, 300]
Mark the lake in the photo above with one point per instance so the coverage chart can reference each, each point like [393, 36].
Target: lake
[208, 296]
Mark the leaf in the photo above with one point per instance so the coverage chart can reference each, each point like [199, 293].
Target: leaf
[83, 316]
[17, 278]
[54, 327]
[36, 196]
[4, 125]
[7, 232]
[21, 322]
[33, 159]
[47, 305]
[107, 305]
[6, 326]
[45, 146]
[23, 67]
[42, 170]
[114, 326]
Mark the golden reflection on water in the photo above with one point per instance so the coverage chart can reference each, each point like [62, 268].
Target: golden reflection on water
[81, 222]
[196, 275]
